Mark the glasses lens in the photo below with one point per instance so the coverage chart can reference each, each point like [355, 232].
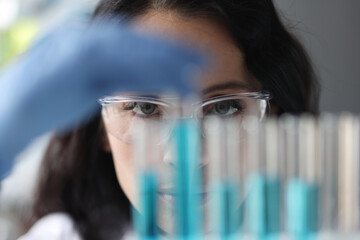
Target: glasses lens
[236, 108]
[232, 109]
[122, 119]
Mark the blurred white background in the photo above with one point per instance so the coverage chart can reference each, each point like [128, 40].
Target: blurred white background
[16, 190]
[22, 21]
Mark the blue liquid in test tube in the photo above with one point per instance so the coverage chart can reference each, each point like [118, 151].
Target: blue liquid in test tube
[226, 211]
[263, 204]
[188, 180]
[302, 209]
[146, 221]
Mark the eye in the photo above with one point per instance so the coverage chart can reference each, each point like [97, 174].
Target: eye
[147, 108]
[143, 108]
[223, 108]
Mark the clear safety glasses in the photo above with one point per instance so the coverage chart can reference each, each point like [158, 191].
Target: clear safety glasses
[123, 115]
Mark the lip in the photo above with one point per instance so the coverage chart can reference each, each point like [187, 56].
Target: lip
[167, 197]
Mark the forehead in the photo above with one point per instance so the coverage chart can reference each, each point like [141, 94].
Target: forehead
[207, 35]
[199, 32]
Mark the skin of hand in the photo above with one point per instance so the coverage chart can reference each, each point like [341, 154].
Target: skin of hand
[56, 84]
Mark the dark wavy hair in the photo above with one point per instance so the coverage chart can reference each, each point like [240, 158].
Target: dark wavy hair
[78, 177]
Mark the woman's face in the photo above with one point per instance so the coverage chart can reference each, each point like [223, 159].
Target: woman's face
[226, 74]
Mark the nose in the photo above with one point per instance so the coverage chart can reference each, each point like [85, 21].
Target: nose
[169, 157]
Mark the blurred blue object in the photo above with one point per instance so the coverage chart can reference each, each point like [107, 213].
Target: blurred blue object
[57, 83]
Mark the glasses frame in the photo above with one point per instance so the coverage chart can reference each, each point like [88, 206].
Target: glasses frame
[171, 101]
[197, 106]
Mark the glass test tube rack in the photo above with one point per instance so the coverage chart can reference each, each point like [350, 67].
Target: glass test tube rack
[287, 178]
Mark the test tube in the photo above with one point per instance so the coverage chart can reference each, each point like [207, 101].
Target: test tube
[145, 217]
[348, 196]
[234, 173]
[303, 188]
[273, 178]
[188, 179]
[329, 153]
[222, 147]
[295, 186]
[264, 179]
[255, 181]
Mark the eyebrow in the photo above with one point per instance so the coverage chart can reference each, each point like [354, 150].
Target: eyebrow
[226, 86]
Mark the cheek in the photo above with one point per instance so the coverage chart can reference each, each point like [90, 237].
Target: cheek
[124, 166]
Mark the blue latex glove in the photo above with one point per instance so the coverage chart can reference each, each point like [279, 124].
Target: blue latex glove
[57, 83]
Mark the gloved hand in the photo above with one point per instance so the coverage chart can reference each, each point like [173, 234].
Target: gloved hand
[57, 83]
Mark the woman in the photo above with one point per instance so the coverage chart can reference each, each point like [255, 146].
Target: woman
[251, 52]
